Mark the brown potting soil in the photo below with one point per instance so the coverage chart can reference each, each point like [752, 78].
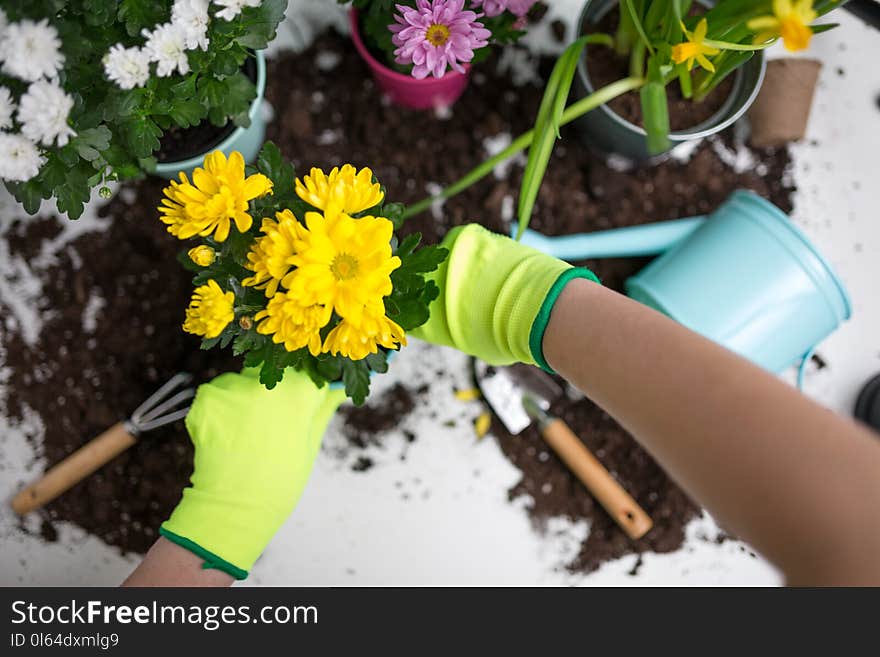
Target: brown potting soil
[606, 66]
[81, 382]
[83, 379]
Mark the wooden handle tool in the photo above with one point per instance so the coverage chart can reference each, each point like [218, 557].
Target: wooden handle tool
[74, 468]
[162, 407]
[619, 504]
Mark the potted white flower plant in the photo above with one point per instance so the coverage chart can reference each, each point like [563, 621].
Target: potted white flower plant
[92, 91]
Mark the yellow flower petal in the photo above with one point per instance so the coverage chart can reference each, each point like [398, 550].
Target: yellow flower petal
[210, 311]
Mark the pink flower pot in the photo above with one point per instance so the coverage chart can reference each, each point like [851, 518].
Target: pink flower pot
[405, 90]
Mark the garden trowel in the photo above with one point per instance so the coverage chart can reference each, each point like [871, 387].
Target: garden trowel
[521, 394]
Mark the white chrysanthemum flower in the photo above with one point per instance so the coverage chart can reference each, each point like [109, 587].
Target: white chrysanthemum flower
[192, 17]
[31, 50]
[233, 7]
[7, 108]
[166, 46]
[127, 67]
[43, 111]
[20, 159]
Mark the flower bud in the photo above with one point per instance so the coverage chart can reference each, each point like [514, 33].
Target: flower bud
[246, 323]
[203, 256]
[105, 192]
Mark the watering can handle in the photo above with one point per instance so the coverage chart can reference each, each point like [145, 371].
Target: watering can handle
[632, 241]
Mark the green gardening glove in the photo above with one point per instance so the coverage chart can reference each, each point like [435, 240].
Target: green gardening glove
[496, 296]
[254, 450]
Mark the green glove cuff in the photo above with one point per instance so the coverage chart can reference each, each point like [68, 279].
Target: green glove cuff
[539, 327]
[212, 561]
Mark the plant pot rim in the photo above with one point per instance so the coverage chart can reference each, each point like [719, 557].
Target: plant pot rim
[365, 53]
[189, 163]
[703, 129]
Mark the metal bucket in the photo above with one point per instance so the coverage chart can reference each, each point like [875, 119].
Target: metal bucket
[608, 133]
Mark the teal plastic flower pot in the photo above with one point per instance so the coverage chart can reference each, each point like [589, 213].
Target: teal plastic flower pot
[610, 134]
[745, 277]
[750, 280]
[247, 141]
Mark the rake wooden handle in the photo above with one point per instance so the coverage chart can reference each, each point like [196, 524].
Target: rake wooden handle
[611, 495]
[74, 468]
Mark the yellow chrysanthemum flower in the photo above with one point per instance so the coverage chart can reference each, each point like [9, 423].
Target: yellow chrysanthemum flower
[347, 189]
[271, 256]
[203, 255]
[694, 48]
[790, 20]
[343, 263]
[209, 311]
[218, 194]
[293, 324]
[357, 341]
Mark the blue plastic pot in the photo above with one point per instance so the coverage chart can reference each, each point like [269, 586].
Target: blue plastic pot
[745, 277]
[247, 141]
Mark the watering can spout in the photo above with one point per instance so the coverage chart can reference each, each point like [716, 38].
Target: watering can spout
[633, 241]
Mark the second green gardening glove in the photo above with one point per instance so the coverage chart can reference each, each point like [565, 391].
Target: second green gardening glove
[254, 450]
[496, 296]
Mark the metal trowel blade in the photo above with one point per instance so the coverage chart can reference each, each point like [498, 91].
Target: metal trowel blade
[505, 387]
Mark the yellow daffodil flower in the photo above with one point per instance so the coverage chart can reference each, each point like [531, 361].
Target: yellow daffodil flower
[203, 255]
[342, 262]
[271, 256]
[694, 48]
[790, 20]
[292, 323]
[347, 189]
[219, 193]
[357, 340]
[209, 311]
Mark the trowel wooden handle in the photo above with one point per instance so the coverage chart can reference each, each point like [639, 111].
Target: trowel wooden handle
[611, 495]
[74, 469]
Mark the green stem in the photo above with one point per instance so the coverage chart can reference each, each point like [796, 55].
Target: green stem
[572, 112]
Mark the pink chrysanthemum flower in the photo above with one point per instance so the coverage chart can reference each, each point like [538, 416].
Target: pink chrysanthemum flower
[495, 7]
[437, 34]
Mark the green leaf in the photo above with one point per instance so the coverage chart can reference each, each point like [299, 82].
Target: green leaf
[137, 14]
[424, 260]
[655, 112]
[408, 245]
[378, 362]
[356, 377]
[547, 125]
[262, 21]
[637, 23]
[394, 213]
[187, 112]
[143, 136]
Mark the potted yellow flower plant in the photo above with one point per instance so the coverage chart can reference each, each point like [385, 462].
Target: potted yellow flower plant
[299, 272]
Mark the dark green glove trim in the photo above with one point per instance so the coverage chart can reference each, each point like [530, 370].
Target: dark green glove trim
[212, 561]
[539, 326]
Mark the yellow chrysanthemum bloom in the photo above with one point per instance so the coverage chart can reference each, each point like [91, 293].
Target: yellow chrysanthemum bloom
[203, 256]
[357, 341]
[790, 20]
[346, 189]
[209, 311]
[218, 194]
[694, 48]
[271, 256]
[343, 263]
[293, 324]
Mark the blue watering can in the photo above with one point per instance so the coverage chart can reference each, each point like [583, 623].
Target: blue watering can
[744, 276]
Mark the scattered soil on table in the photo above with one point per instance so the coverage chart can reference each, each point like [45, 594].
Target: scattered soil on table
[365, 425]
[332, 117]
[82, 380]
[606, 66]
[183, 143]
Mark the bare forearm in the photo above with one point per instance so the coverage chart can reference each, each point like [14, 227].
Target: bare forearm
[799, 482]
[168, 564]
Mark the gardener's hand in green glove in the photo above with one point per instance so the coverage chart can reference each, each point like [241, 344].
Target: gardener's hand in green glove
[496, 296]
[254, 450]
